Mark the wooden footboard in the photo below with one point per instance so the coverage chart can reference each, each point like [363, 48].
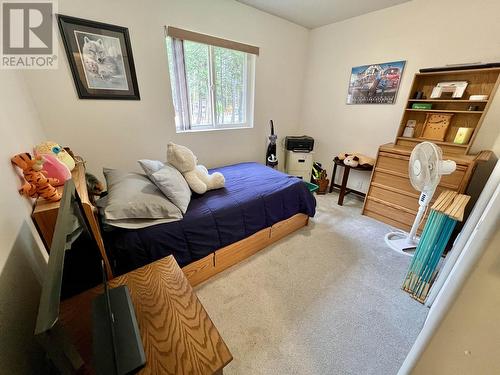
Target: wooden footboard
[212, 264]
[201, 270]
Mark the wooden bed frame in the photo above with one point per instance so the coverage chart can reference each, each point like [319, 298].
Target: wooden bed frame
[221, 259]
[45, 215]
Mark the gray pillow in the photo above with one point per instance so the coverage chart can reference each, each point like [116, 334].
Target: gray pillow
[170, 181]
[133, 196]
[135, 223]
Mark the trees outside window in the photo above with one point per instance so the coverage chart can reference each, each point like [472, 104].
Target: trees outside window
[212, 87]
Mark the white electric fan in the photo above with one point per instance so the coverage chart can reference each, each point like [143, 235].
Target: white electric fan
[425, 169]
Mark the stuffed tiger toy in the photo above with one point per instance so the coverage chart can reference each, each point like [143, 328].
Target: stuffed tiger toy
[36, 183]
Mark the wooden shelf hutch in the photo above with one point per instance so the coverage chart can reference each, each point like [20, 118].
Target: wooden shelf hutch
[391, 197]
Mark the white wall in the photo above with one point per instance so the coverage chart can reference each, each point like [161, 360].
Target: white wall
[117, 133]
[426, 33]
[21, 253]
[467, 340]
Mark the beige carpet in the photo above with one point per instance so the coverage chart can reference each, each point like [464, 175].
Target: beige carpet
[324, 300]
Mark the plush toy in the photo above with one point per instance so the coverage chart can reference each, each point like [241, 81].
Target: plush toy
[362, 160]
[52, 148]
[95, 187]
[351, 161]
[53, 168]
[36, 182]
[196, 176]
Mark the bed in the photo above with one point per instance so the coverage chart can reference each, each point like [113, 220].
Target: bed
[258, 206]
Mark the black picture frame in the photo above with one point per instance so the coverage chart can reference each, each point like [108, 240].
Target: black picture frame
[100, 58]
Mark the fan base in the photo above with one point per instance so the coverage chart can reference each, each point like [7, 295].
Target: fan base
[401, 243]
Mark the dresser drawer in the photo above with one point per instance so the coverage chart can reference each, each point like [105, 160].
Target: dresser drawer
[403, 200]
[402, 182]
[388, 211]
[394, 181]
[396, 216]
[398, 165]
[395, 163]
[454, 181]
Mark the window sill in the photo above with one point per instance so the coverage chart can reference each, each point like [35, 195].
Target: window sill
[214, 129]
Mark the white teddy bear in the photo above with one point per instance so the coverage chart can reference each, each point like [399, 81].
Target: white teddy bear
[197, 177]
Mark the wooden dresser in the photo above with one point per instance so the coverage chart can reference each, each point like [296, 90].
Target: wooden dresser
[392, 199]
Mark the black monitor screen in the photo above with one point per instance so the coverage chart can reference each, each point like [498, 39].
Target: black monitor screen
[74, 260]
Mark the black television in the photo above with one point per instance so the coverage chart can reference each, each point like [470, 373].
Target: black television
[75, 265]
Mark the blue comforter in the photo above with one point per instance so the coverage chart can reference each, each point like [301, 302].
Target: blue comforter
[255, 197]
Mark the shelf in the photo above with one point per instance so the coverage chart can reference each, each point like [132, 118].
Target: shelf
[436, 142]
[463, 71]
[442, 111]
[447, 101]
[480, 82]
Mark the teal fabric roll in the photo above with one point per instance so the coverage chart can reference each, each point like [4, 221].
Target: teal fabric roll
[423, 267]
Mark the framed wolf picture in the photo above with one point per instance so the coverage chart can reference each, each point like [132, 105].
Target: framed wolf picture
[376, 83]
[100, 57]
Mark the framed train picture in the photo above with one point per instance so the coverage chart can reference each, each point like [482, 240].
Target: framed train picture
[375, 83]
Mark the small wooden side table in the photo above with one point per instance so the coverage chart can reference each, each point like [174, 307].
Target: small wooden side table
[177, 334]
[343, 190]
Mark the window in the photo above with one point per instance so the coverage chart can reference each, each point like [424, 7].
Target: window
[212, 85]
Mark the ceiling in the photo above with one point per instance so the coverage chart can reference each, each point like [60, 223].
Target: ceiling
[315, 13]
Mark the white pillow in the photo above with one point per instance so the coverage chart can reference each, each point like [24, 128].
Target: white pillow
[170, 181]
